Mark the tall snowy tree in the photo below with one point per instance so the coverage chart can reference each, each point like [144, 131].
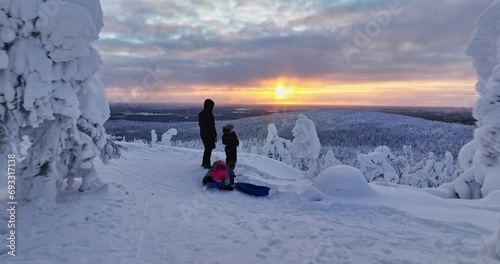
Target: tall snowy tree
[485, 50]
[305, 145]
[449, 169]
[276, 147]
[49, 93]
[408, 154]
[154, 137]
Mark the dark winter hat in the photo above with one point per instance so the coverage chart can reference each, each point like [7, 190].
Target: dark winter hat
[227, 128]
[208, 105]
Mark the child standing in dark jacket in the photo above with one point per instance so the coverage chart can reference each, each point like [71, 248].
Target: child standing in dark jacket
[231, 141]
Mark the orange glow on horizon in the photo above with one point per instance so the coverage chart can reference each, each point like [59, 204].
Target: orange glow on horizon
[283, 91]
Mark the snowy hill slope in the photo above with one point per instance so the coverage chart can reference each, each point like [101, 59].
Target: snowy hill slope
[154, 210]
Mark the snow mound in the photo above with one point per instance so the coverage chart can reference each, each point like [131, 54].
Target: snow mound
[446, 191]
[492, 246]
[343, 181]
[312, 194]
[492, 199]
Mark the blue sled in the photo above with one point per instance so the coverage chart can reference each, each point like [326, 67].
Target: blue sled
[213, 185]
[251, 189]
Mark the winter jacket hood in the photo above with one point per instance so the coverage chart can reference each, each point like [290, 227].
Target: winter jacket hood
[208, 105]
[228, 129]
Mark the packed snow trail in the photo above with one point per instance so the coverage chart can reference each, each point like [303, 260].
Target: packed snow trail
[155, 210]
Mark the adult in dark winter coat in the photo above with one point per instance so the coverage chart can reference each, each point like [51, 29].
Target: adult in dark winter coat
[208, 133]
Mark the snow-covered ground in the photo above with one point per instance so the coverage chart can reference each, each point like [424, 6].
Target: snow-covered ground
[155, 210]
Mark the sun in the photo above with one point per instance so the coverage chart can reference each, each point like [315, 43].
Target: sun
[280, 92]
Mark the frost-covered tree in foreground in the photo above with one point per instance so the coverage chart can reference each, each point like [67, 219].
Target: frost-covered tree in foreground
[276, 147]
[305, 145]
[50, 95]
[484, 175]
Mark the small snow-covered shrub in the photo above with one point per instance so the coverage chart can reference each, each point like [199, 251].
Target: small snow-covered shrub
[375, 167]
[328, 160]
[402, 168]
[276, 147]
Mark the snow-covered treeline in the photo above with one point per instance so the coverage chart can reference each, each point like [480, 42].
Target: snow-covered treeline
[382, 165]
[346, 133]
[52, 106]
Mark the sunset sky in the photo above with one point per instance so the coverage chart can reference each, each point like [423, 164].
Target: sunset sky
[319, 52]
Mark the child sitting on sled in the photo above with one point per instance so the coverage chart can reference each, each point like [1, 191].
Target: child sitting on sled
[219, 175]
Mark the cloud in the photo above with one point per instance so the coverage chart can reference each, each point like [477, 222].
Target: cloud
[241, 43]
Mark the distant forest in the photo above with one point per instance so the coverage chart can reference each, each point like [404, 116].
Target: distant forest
[347, 132]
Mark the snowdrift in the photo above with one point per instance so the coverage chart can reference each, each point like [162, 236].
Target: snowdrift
[343, 181]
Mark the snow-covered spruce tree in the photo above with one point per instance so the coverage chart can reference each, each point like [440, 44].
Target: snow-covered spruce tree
[329, 160]
[402, 168]
[433, 171]
[452, 169]
[305, 145]
[448, 167]
[389, 156]
[399, 164]
[408, 154]
[154, 137]
[427, 173]
[276, 147]
[166, 138]
[49, 93]
[375, 167]
[485, 50]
